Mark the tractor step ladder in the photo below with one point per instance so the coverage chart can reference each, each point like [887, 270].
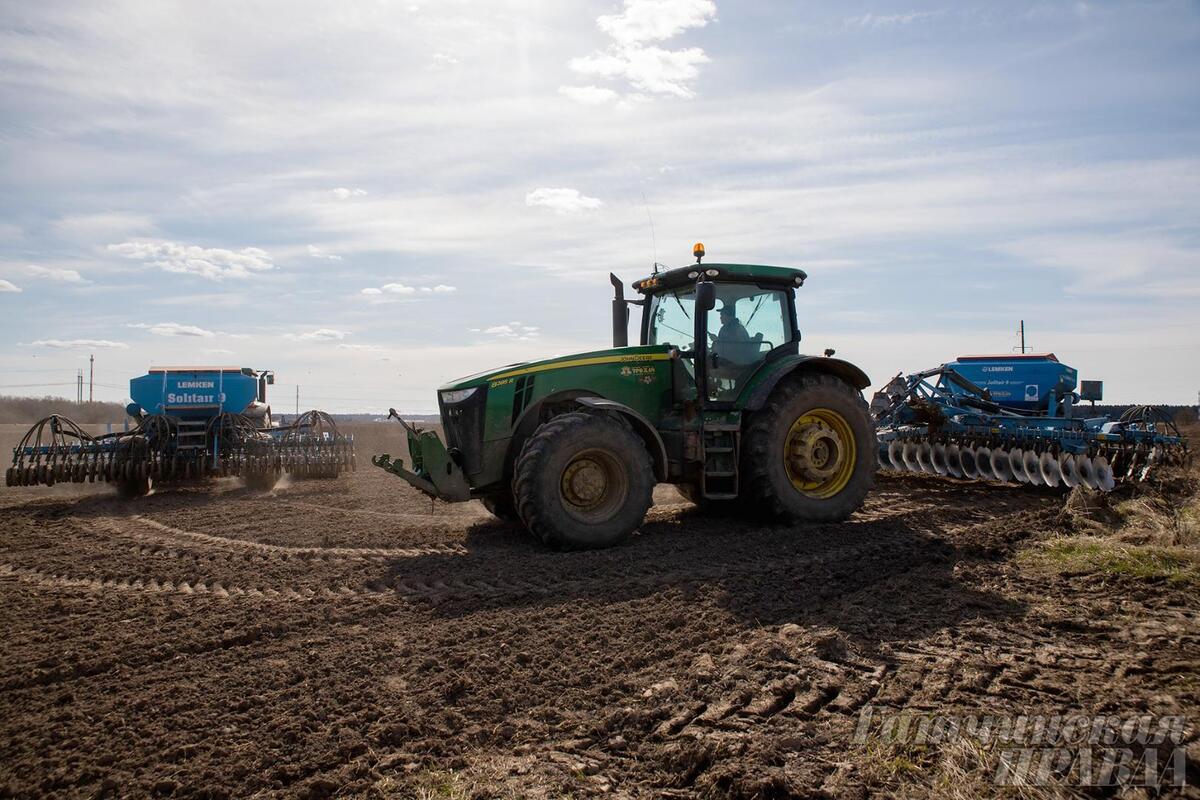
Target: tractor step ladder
[719, 481]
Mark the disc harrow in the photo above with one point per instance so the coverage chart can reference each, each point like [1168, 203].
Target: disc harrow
[939, 422]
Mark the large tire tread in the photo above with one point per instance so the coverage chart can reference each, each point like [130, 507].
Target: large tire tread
[763, 494]
[543, 514]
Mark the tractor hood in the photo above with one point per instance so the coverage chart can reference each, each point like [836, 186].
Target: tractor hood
[611, 355]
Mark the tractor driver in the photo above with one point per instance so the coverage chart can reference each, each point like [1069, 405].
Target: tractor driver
[732, 342]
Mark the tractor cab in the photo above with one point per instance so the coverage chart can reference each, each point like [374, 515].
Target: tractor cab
[727, 320]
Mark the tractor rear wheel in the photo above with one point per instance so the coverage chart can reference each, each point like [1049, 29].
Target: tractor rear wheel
[809, 454]
[501, 506]
[583, 481]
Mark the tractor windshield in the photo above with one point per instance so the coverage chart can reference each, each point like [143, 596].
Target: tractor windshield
[747, 323]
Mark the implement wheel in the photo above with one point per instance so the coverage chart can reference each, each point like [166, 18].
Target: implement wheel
[583, 481]
[809, 455]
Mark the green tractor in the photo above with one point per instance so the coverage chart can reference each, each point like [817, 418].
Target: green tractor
[722, 405]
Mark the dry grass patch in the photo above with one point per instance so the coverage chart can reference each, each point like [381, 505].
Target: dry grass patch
[1090, 555]
[961, 769]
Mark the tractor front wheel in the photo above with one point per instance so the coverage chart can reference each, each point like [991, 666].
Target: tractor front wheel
[809, 455]
[583, 481]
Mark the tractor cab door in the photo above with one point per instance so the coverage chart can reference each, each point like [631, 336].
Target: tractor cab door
[748, 322]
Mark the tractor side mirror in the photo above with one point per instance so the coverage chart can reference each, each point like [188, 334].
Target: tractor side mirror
[706, 296]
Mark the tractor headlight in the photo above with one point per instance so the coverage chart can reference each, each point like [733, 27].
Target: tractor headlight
[458, 395]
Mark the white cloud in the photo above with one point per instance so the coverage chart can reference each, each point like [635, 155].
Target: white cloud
[655, 20]
[173, 329]
[630, 56]
[361, 348]
[8, 286]
[217, 351]
[564, 201]
[214, 263]
[319, 335]
[444, 60]
[509, 330]
[68, 344]
[316, 252]
[652, 69]
[878, 21]
[56, 274]
[343, 193]
[588, 95]
[401, 288]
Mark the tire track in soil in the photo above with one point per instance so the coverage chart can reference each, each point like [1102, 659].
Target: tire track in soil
[438, 590]
[842, 685]
[197, 588]
[118, 527]
[152, 656]
[442, 588]
[434, 590]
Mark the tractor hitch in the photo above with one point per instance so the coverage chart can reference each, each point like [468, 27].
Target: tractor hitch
[434, 471]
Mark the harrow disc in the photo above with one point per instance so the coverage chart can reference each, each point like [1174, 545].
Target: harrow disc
[968, 460]
[983, 463]
[937, 459]
[925, 458]
[1033, 468]
[1087, 472]
[1069, 470]
[1016, 465]
[1001, 465]
[954, 460]
[895, 453]
[1105, 480]
[1051, 470]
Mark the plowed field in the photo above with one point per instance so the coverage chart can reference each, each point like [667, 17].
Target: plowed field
[349, 637]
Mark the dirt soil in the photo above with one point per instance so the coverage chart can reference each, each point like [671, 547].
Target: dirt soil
[349, 637]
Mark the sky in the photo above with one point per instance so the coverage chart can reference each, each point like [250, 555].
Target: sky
[375, 198]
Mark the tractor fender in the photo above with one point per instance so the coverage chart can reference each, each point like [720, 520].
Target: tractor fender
[799, 364]
[641, 425]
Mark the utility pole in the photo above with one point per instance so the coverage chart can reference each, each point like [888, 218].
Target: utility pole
[79, 386]
[91, 377]
[1022, 337]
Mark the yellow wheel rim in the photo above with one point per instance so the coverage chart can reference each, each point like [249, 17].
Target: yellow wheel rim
[819, 453]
